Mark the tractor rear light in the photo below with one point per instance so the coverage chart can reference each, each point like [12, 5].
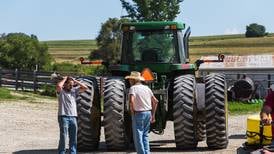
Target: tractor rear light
[95, 62]
[173, 27]
[147, 74]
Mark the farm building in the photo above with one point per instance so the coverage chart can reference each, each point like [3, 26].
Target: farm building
[253, 69]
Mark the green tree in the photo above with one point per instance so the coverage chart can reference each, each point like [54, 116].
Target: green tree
[255, 30]
[18, 50]
[108, 41]
[152, 10]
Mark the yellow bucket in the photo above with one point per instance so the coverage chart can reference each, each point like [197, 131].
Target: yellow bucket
[253, 131]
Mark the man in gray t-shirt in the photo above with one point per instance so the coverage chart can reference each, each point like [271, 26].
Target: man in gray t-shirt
[67, 112]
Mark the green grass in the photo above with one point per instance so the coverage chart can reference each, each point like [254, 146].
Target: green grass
[236, 108]
[31, 95]
[6, 94]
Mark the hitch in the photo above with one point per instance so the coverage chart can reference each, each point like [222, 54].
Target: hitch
[95, 62]
[220, 59]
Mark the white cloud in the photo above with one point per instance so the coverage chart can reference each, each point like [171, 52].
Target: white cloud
[232, 31]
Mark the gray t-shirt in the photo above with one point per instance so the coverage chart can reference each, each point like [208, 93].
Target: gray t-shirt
[67, 102]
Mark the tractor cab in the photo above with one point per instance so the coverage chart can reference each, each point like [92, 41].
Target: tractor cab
[154, 42]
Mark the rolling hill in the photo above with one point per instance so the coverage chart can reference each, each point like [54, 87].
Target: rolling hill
[72, 50]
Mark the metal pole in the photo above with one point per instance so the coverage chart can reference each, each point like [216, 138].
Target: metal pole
[0, 77]
[16, 79]
[35, 81]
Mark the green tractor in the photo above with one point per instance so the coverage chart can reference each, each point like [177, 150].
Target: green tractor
[196, 105]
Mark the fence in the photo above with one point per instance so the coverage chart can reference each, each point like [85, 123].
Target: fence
[24, 80]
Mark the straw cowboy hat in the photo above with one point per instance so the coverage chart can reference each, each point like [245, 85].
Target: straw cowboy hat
[135, 75]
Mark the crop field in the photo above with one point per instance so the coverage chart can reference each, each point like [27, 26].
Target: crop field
[230, 45]
[72, 50]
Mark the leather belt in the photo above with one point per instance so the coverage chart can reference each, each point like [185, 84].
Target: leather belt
[141, 111]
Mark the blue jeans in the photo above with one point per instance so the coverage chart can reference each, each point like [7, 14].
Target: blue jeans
[67, 125]
[140, 128]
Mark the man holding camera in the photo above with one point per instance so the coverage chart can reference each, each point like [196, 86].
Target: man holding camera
[67, 112]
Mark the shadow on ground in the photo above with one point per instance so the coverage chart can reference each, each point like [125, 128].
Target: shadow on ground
[237, 136]
[256, 149]
[38, 151]
[156, 147]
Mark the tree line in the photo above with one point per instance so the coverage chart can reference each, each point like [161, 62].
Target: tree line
[19, 50]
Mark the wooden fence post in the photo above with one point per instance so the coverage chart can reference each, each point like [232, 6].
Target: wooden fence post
[16, 79]
[0, 77]
[35, 81]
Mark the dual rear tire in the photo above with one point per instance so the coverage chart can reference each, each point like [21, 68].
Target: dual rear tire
[89, 116]
[188, 131]
[116, 123]
[116, 119]
[184, 112]
[216, 111]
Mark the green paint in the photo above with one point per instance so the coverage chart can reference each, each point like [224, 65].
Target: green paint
[158, 68]
[154, 25]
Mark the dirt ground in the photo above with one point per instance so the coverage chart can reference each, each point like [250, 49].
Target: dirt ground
[28, 127]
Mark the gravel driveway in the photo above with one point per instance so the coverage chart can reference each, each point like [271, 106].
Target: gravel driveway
[28, 128]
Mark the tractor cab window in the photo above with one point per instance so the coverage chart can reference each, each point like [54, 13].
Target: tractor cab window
[152, 47]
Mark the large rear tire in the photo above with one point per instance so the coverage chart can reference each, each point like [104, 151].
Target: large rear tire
[201, 130]
[216, 111]
[114, 114]
[183, 112]
[89, 116]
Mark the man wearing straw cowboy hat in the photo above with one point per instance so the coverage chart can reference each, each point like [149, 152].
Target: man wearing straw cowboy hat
[143, 105]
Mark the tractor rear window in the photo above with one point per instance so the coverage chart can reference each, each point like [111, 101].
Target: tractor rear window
[152, 46]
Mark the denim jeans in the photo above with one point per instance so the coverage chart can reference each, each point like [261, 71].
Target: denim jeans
[140, 128]
[67, 125]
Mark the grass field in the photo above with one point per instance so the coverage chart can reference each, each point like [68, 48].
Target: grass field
[5, 94]
[236, 108]
[72, 50]
[230, 45]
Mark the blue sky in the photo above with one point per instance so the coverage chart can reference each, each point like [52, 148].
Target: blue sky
[81, 19]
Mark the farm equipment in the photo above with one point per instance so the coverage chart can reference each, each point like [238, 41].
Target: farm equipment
[197, 105]
[259, 136]
[243, 89]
